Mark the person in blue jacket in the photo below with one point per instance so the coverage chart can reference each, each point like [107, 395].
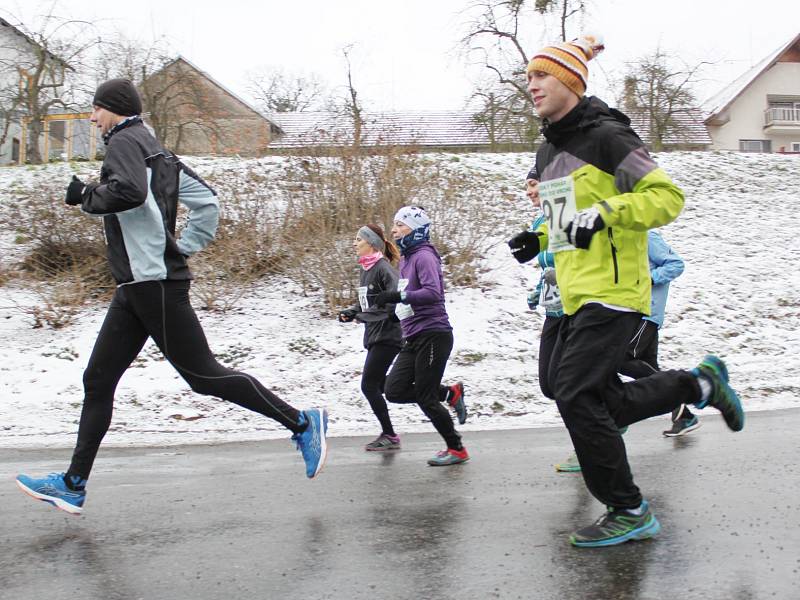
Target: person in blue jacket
[642, 357]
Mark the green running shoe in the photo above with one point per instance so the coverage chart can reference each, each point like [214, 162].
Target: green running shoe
[571, 465]
[616, 527]
[722, 396]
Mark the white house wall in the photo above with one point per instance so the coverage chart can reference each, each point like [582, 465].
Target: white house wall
[746, 113]
[14, 50]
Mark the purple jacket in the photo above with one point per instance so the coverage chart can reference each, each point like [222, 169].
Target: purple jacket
[422, 266]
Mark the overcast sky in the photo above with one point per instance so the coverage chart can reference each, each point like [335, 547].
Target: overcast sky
[405, 53]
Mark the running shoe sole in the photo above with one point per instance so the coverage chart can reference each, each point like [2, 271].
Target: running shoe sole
[457, 461]
[683, 431]
[384, 449]
[561, 468]
[323, 443]
[57, 502]
[641, 533]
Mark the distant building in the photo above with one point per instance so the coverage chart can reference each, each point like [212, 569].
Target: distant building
[444, 130]
[686, 132]
[60, 134]
[760, 111]
[193, 113]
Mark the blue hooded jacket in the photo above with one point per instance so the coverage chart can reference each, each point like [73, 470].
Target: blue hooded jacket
[665, 265]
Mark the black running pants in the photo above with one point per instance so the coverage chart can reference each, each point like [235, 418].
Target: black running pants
[160, 310]
[595, 404]
[417, 377]
[373, 379]
[641, 360]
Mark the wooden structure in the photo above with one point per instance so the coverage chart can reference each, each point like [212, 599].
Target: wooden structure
[69, 119]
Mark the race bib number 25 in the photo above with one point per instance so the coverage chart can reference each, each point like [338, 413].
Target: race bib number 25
[558, 206]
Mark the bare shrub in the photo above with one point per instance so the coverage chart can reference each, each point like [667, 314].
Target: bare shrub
[335, 194]
[62, 244]
[59, 300]
[247, 245]
[5, 275]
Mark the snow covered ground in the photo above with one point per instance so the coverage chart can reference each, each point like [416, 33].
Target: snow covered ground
[739, 297]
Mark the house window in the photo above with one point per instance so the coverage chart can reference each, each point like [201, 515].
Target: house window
[795, 146]
[15, 150]
[755, 146]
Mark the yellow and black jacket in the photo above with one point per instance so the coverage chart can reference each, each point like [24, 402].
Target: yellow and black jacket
[610, 169]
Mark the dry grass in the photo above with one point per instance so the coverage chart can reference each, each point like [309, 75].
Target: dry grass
[298, 223]
[337, 194]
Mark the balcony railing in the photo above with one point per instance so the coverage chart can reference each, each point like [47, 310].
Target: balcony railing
[782, 116]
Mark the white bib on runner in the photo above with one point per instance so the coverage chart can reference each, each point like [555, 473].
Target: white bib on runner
[362, 298]
[403, 311]
[558, 206]
[549, 296]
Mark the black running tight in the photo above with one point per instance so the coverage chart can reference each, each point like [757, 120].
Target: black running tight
[160, 310]
[373, 378]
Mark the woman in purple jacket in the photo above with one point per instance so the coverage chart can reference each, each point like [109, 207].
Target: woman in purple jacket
[427, 335]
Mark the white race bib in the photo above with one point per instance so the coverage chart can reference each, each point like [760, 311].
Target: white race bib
[403, 311]
[550, 297]
[558, 206]
[362, 298]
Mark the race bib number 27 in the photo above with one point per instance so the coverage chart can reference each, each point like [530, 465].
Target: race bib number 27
[558, 206]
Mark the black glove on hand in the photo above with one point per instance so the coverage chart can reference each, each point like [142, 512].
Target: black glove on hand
[384, 298]
[347, 315]
[524, 246]
[583, 226]
[74, 191]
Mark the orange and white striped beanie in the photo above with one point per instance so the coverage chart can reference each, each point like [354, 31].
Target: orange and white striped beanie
[568, 61]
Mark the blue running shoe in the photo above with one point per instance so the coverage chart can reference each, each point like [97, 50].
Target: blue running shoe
[312, 442]
[616, 527]
[54, 490]
[722, 396]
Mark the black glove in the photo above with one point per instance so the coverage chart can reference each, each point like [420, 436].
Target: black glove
[384, 298]
[347, 315]
[524, 246]
[74, 191]
[583, 226]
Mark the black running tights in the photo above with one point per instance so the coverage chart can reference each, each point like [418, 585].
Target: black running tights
[160, 310]
[373, 378]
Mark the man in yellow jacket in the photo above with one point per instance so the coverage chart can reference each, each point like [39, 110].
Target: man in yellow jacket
[601, 192]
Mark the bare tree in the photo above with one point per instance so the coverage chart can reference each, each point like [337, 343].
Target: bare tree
[40, 68]
[351, 103]
[660, 86]
[563, 9]
[504, 115]
[499, 36]
[173, 96]
[276, 92]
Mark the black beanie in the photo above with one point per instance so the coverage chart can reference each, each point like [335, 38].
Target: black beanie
[119, 96]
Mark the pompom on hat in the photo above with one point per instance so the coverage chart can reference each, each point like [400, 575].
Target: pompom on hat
[568, 61]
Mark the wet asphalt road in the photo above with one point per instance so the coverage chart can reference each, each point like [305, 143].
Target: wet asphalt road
[242, 521]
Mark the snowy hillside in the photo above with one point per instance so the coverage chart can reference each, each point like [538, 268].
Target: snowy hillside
[739, 297]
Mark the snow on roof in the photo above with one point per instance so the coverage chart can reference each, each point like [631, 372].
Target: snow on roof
[722, 99]
[688, 128]
[442, 129]
[413, 128]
